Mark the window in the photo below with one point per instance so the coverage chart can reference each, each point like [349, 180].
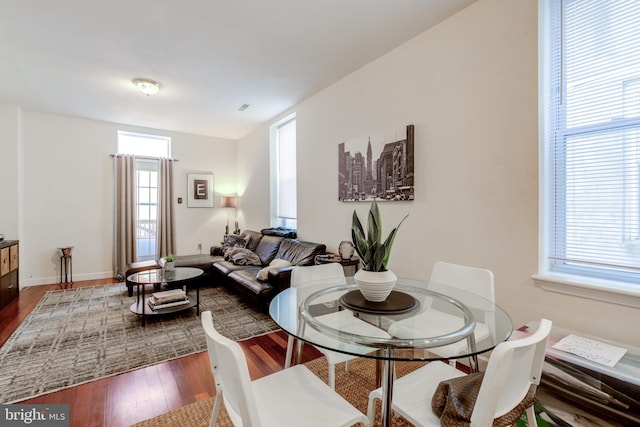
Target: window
[284, 179]
[591, 141]
[149, 147]
[144, 145]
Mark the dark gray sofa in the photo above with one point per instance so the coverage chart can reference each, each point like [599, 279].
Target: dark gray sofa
[269, 244]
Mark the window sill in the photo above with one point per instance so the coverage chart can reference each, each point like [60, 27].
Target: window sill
[608, 291]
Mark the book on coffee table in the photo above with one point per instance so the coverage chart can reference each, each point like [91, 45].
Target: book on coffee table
[158, 306]
[166, 299]
[170, 295]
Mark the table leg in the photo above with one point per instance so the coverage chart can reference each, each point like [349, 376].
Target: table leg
[297, 356]
[473, 360]
[198, 300]
[387, 388]
[143, 304]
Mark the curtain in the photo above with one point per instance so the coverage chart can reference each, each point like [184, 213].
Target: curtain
[165, 238]
[124, 215]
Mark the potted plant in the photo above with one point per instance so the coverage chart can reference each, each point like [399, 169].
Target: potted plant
[169, 264]
[374, 280]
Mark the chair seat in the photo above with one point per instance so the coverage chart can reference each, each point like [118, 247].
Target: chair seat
[280, 402]
[347, 322]
[433, 323]
[412, 393]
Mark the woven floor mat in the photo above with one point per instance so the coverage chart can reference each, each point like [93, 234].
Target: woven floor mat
[354, 385]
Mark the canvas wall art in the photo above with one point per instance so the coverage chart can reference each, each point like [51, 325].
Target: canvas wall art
[200, 190]
[377, 167]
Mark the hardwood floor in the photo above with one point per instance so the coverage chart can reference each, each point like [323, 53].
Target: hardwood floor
[131, 397]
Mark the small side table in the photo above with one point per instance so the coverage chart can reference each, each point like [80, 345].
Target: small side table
[354, 261]
[66, 265]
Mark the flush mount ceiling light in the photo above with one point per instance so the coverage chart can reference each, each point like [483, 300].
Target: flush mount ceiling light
[147, 86]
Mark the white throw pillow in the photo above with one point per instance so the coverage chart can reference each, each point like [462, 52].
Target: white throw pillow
[276, 263]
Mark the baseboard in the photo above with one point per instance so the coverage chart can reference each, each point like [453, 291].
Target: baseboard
[39, 281]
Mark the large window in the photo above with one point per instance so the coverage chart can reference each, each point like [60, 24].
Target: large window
[149, 148]
[591, 140]
[284, 165]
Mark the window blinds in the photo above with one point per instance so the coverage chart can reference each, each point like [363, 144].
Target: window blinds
[286, 182]
[594, 138]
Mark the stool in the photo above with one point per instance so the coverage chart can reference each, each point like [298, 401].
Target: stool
[136, 267]
[66, 264]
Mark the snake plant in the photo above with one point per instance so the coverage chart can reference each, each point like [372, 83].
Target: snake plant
[372, 251]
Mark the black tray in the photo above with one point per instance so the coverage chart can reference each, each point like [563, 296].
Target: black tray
[396, 303]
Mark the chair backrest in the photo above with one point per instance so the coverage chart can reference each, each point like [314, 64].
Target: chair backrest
[230, 371]
[514, 367]
[306, 279]
[470, 279]
[478, 281]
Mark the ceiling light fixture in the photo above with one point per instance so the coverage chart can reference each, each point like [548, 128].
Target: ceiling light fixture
[147, 86]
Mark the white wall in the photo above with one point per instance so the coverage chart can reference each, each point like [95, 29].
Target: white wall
[10, 153]
[68, 193]
[469, 86]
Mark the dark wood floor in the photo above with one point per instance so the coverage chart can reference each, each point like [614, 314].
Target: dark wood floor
[127, 398]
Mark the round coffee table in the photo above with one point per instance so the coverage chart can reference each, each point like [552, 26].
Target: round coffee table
[163, 280]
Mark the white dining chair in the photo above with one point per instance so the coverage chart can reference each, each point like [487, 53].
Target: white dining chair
[513, 371]
[291, 397]
[309, 279]
[430, 322]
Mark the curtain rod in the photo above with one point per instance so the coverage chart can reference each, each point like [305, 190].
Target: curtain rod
[147, 157]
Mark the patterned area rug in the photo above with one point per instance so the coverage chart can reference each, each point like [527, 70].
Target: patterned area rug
[78, 335]
[354, 385]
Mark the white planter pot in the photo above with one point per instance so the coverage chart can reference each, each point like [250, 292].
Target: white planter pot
[169, 266]
[375, 286]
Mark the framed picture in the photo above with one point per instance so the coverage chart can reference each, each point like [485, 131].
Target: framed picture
[200, 190]
[378, 166]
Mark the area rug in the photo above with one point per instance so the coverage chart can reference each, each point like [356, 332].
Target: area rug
[74, 336]
[354, 385]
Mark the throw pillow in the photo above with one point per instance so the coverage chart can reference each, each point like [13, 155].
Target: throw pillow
[276, 263]
[234, 240]
[242, 256]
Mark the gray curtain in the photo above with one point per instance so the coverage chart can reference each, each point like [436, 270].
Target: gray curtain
[165, 231]
[124, 215]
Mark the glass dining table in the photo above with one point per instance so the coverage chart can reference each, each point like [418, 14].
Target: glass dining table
[421, 321]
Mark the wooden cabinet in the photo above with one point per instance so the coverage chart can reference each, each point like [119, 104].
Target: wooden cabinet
[9, 267]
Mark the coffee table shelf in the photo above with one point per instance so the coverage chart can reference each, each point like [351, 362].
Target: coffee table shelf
[160, 279]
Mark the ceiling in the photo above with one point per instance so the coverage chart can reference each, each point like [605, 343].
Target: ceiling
[78, 57]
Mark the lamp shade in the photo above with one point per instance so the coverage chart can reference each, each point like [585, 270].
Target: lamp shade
[229, 202]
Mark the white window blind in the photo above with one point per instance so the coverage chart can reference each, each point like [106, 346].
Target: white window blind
[286, 177]
[592, 139]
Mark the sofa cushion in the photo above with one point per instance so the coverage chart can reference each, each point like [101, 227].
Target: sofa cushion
[227, 267]
[298, 252]
[280, 231]
[268, 248]
[204, 261]
[245, 281]
[276, 263]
